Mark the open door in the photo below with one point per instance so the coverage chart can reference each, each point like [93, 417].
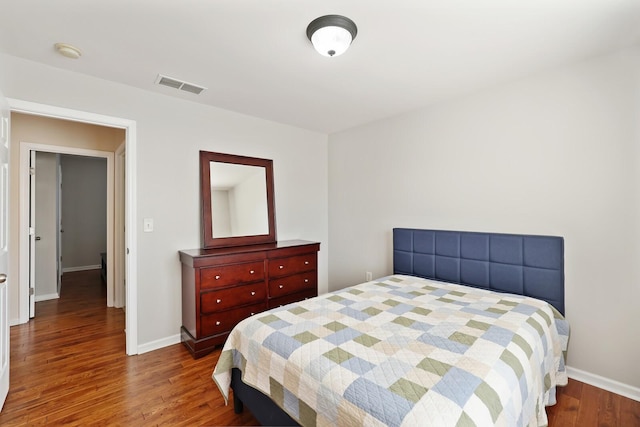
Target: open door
[32, 234]
[4, 250]
[59, 230]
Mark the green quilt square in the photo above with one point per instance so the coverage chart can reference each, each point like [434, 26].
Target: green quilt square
[421, 311]
[305, 337]
[478, 325]
[296, 309]
[372, 311]
[408, 389]
[404, 321]
[270, 318]
[335, 326]
[434, 366]
[366, 340]
[338, 355]
[463, 338]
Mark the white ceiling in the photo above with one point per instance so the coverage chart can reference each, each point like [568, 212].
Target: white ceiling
[254, 57]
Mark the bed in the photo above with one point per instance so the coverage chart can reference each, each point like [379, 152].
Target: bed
[469, 330]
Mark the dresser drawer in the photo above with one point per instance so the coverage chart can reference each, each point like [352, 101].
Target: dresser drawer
[223, 299]
[291, 265]
[291, 284]
[223, 321]
[226, 275]
[288, 299]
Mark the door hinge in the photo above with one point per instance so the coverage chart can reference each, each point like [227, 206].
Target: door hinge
[32, 291]
[32, 231]
[32, 171]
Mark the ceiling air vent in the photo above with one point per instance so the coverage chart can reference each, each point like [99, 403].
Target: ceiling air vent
[179, 84]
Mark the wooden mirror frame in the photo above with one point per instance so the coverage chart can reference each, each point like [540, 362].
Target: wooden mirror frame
[206, 157]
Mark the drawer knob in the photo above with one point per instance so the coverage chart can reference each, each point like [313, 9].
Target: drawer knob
[251, 272]
[253, 293]
[218, 301]
[281, 286]
[252, 313]
[306, 280]
[306, 263]
[218, 323]
[281, 267]
[217, 277]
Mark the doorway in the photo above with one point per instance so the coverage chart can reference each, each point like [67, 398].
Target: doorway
[70, 217]
[130, 267]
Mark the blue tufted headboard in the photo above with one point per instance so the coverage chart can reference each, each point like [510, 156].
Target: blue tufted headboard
[513, 263]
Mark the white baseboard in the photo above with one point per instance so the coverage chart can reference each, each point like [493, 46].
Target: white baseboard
[46, 297]
[155, 345]
[613, 386]
[81, 268]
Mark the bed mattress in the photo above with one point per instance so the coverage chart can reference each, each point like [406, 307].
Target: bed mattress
[404, 351]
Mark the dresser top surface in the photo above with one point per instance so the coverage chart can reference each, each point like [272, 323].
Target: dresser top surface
[201, 252]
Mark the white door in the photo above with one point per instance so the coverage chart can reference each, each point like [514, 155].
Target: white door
[46, 278]
[59, 229]
[4, 250]
[32, 234]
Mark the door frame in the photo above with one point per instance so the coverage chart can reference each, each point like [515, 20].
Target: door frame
[131, 294]
[119, 239]
[26, 212]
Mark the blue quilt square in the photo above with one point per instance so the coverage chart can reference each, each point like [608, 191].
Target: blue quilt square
[342, 336]
[457, 385]
[439, 292]
[498, 335]
[291, 403]
[356, 314]
[403, 294]
[357, 365]
[421, 326]
[480, 312]
[525, 309]
[281, 344]
[383, 404]
[443, 343]
[400, 309]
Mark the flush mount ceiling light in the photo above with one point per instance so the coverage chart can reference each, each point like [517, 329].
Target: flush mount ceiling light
[68, 50]
[331, 35]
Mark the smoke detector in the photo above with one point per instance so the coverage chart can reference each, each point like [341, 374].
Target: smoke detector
[68, 51]
[179, 84]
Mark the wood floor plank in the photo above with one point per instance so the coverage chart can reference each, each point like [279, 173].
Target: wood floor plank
[68, 367]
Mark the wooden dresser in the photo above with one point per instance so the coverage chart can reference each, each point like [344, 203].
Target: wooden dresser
[221, 287]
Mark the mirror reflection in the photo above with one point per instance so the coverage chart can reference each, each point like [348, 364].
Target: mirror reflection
[238, 200]
[236, 194]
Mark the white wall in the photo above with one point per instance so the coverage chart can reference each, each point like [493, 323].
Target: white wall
[554, 154]
[170, 133]
[84, 211]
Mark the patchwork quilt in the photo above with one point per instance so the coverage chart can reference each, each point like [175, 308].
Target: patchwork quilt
[404, 351]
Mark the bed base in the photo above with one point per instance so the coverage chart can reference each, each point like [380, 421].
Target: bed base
[263, 409]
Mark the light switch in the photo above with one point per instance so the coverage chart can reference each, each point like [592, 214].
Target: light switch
[148, 225]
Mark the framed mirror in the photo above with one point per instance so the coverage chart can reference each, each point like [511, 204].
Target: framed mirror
[237, 200]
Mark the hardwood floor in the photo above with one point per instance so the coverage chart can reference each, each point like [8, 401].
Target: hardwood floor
[68, 367]
[582, 405]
